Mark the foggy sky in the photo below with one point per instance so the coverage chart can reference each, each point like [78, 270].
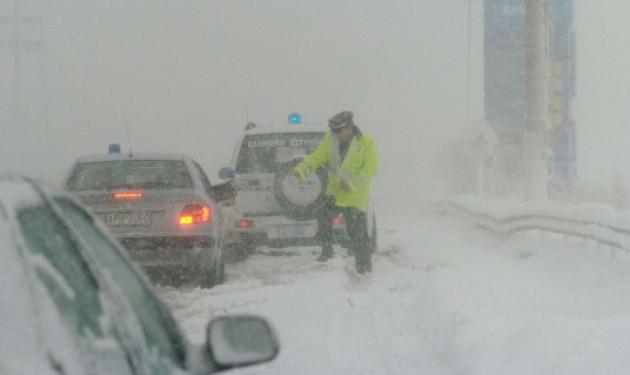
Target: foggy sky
[603, 90]
[186, 77]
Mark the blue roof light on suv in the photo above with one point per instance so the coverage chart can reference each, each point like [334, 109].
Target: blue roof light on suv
[295, 119]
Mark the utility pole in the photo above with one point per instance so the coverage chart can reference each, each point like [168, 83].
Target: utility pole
[28, 36]
[16, 63]
[468, 59]
[480, 175]
[536, 163]
[27, 47]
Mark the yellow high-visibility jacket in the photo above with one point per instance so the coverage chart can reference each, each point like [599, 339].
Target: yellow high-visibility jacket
[357, 169]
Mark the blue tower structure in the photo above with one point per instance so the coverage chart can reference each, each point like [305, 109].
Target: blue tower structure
[505, 45]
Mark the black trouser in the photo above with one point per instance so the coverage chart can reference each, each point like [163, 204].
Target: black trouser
[356, 226]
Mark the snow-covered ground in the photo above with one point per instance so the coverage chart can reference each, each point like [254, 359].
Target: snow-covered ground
[443, 299]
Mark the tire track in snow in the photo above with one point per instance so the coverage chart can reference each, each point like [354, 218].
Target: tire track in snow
[387, 322]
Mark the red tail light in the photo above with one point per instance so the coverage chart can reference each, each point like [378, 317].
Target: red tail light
[195, 214]
[244, 223]
[338, 220]
[128, 195]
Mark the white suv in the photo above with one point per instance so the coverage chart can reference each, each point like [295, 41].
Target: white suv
[270, 208]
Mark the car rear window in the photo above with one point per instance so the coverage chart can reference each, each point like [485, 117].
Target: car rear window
[146, 174]
[264, 153]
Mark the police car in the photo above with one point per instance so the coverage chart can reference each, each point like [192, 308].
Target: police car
[161, 207]
[270, 208]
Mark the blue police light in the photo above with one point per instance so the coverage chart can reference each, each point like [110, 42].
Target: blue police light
[295, 118]
[113, 148]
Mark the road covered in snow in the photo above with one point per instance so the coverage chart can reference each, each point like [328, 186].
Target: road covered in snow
[443, 299]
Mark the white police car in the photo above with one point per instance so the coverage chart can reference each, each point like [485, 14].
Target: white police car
[270, 208]
[161, 207]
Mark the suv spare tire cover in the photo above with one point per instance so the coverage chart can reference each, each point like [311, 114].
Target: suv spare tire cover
[300, 200]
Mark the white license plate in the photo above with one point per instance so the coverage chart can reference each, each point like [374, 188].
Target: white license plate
[128, 219]
[292, 231]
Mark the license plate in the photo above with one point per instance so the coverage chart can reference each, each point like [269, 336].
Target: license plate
[292, 231]
[128, 219]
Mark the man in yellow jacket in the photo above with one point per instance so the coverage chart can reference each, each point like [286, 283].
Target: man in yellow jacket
[351, 160]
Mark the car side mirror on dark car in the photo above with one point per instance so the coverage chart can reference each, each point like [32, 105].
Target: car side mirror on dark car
[226, 173]
[242, 340]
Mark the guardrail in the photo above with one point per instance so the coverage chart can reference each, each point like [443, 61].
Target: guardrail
[593, 222]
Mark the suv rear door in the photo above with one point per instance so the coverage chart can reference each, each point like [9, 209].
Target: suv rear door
[259, 158]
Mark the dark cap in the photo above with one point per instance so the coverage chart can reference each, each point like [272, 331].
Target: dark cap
[341, 120]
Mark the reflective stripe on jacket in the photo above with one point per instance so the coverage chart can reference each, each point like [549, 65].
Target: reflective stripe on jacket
[357, 169]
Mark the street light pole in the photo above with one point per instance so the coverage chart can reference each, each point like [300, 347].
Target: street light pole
[536, 165]
[480, 175]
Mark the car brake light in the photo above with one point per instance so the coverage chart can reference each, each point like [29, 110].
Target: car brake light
[195, 214]
[244, 223]
[338, 220]
[128, 195]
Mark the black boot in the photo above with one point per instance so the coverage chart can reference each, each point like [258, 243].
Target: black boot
[363, 261]
[327, 253]
[360, 267]
[368, 265]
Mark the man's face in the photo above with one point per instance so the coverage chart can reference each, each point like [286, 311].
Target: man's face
[344, 134]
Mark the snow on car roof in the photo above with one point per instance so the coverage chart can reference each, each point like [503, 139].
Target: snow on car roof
[287, 129]
[139, 156]
[16, 192]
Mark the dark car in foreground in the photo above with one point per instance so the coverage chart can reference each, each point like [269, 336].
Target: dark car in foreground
[161, 207]
[72, 302]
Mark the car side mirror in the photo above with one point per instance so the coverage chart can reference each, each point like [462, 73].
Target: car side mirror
[241, 340]
[226, 173]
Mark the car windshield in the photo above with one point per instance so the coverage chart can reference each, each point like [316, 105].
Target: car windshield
[146, 174]
[264, 153]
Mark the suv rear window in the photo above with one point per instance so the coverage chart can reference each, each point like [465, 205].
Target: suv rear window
[146, 174]
[264, 153]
